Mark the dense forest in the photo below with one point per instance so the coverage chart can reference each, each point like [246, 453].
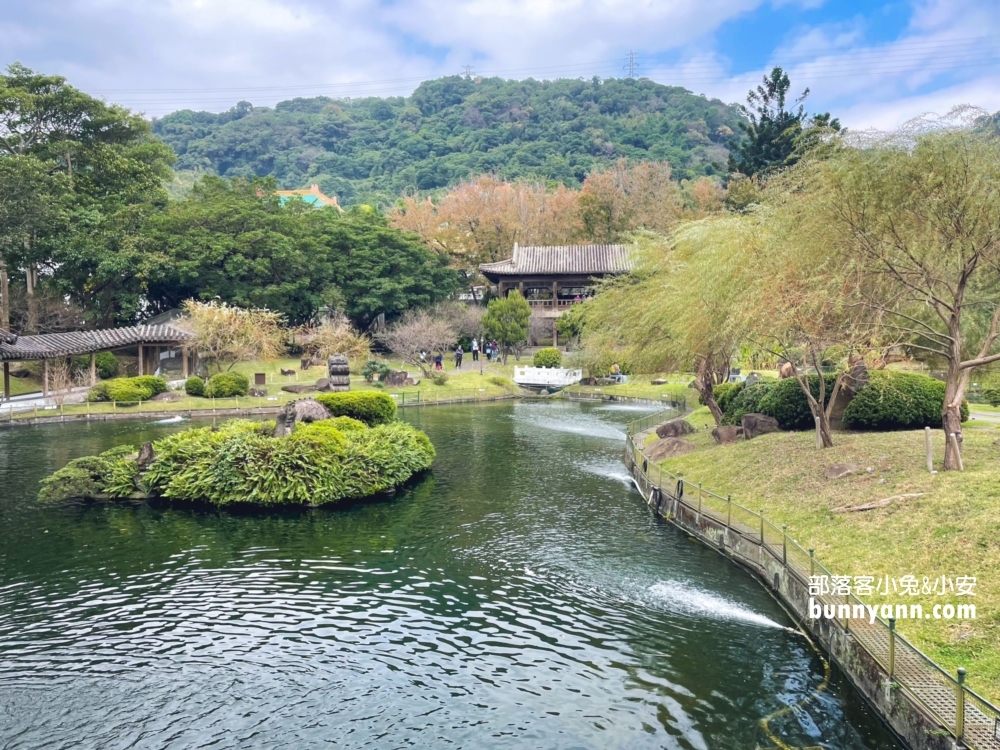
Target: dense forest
[371, 150]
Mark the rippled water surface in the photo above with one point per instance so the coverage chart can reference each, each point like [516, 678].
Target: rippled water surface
[520, 595]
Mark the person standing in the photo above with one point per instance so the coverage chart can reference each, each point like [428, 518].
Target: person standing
[458, 357]
[475, 349]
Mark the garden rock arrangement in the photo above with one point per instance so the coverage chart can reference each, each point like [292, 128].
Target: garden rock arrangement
[354, 448]
[674, 428]
[668, 448]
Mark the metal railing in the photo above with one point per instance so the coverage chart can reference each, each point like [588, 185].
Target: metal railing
[968, 717]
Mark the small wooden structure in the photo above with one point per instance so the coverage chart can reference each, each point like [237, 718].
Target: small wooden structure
[553, 279]
[148, 341]
[340, 373]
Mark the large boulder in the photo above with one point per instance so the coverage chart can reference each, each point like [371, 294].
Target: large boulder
[146, 456]
[303, 410]
[675, 428]
[758, 424]
[298, 388]
[786, 370]
[323, 384]
[668, 448]
[727, 434]
[396, 378]
[169, 396]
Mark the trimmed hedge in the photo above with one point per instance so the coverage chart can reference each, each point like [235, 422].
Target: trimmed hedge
[227, 385]
[370, 407]
[548, 357]
[241, 463]
[106, 364]
[128, 390]
[724, 394]
[898, 401]
[194, 386]
[787, 403]
[747, 401]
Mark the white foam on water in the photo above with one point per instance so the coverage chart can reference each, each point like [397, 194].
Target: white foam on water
[685, 599]
[170, 420]
[649, 408]
[609, 469]
[579, 424]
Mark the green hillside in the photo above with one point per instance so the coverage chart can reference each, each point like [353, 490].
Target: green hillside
[371, 150]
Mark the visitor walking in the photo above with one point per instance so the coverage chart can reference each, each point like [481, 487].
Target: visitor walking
[475, 350]
[439, 361]
[458, 357]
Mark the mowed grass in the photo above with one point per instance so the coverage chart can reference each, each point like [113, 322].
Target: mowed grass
[953, 529]
[462, 384]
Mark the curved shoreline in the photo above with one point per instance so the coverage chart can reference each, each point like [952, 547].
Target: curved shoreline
[898, 706]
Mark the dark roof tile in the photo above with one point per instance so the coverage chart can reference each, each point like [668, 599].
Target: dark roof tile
[52, 345]
[558, 260]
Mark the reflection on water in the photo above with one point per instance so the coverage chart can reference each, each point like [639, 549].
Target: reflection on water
[519, 595]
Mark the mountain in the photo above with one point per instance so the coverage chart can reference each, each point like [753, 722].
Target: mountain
[371, 150]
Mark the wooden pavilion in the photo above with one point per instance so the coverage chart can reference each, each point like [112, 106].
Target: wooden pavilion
[149, 341]
[554, 278]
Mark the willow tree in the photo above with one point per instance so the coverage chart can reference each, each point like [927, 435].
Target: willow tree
[923, 215]
[803, 298]
[676, 310]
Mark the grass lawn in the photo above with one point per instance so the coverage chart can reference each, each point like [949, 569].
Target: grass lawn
[20, 386]
[953, 529]
[640, 386]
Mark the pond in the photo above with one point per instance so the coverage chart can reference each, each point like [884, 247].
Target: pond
[519, 595]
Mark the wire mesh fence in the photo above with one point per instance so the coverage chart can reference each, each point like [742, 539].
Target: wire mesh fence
[971, 719]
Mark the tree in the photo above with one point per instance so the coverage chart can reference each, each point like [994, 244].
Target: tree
[225, 334]
[506, 320]
[677, 310]
[417, 337]
[335, 336]
[628, 197]
[806, 304]
[95, 173]
[923, 215]
[772, 139]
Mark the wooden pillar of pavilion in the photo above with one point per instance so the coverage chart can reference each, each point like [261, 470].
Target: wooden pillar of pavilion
[6, 381]
[45, 378]
[184, 363]
[93, 369]
[142, 365]
[555, 308]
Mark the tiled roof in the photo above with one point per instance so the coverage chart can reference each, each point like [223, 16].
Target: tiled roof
[560, 260]
[51, 345]
[6, 337]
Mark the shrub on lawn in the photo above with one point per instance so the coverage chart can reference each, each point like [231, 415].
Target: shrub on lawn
[548, 357]
[227, 385]
[747, 401]
[787, 403]
[194, 386]
[240, 462]
[499, 380]
[898, 401]
[107, 365]
[370, 407]
[724, 394]
[128, 390]
[439, 378]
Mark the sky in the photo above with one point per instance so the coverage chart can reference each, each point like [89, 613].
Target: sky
[872, 64]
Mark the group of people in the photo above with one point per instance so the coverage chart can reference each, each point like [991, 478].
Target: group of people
[490, 348]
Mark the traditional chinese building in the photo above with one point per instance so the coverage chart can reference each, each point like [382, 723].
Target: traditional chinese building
[554, 278]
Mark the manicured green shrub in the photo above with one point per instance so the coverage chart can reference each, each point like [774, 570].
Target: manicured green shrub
[194, 386]
[747, 401]
[991, 393]
[439, 378]
[375, 368]
[898, 401]
[788, 404]
[548, 357]
[370, 407]
[499, 380]
[155, 385]
[724, 394]
[107, 365]
[239, 462]
[88, 476]
[227, 385]
[128, 390]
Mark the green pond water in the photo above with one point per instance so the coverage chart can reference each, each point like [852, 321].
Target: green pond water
[520, 595]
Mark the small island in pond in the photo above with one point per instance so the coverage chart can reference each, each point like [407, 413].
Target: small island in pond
[339, 446]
